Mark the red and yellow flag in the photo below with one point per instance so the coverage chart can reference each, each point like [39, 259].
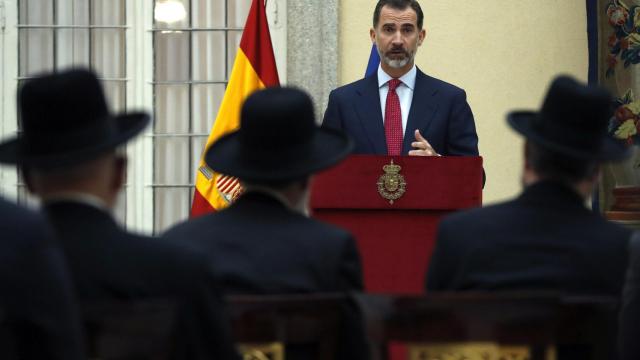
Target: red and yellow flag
[253, 69]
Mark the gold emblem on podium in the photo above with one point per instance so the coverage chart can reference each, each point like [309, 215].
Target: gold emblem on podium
[391, 185]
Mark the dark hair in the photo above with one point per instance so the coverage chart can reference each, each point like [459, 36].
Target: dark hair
[550, 164]
[398, 5]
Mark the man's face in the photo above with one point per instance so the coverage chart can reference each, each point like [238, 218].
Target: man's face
[397, 37]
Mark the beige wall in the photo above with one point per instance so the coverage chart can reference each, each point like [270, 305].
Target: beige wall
[503, 53]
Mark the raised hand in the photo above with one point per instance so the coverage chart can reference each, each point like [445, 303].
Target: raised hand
[422, 147]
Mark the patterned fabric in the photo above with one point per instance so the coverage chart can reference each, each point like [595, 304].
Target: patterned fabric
[393, 120]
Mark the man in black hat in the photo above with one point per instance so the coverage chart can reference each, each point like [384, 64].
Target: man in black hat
[265, 243]
[546, 238]
[67, 152]
[38, 312]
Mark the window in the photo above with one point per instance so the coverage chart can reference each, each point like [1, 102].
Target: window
[192, 62]
[174, 65]
[58, 34]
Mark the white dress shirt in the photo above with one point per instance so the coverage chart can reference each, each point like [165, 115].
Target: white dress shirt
[404, 91]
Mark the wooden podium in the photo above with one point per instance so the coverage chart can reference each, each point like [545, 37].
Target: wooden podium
[395, 237]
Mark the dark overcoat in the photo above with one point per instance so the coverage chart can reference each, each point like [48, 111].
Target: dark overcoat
[109, 263]
[37, 306]
[546, 239]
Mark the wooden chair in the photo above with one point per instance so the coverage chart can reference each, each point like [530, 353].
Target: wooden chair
[491, 326]
[265, 328]
[128, 330]
[291, 327]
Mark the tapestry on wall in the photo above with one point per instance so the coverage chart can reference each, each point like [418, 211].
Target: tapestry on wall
[614, 62]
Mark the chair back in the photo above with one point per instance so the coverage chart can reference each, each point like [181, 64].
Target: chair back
[128, 330]
[491, 326]
[291, 327]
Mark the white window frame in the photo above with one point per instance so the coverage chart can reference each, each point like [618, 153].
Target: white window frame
[139, 48]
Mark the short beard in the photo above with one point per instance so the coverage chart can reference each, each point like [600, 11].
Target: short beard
[396, 63]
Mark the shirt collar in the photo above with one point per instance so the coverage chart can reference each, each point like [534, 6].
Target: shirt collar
[275, 195]
[408, 79]
[552, 192]
[78, 197]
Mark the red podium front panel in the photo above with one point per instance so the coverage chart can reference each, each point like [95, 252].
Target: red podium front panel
[396, 239]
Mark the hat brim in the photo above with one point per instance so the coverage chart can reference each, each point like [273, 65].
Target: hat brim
[611, 150]
[13, 151]
[326, 148]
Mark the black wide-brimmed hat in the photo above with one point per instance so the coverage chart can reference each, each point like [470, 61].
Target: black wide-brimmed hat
[573, 121]
[278, 139]
[65, 121]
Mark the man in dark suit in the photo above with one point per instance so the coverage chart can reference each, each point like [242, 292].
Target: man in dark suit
[265, 243]
[546, 238]
[67, 151]
[400, 110]
[38, 313]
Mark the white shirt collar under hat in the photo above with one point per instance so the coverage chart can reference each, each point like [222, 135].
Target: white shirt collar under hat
[404, 91]
[78, 197]
[277, 196]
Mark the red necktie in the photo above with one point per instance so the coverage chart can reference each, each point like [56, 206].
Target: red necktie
[393, 120]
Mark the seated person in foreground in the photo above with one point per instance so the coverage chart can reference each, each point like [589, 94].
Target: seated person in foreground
[545, 239]
[630, 315]
[37, 305]
[67, 152]
[265, 243]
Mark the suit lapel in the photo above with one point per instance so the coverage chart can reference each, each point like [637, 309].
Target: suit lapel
[423, 109]
[367, 107]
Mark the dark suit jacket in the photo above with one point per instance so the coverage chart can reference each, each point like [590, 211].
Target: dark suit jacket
[438, 109]
[545, 239]
[630, 314]
[258, 246]
[108, 263]
[37, 307]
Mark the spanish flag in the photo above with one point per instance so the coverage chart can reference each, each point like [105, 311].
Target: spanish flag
[253, 69]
